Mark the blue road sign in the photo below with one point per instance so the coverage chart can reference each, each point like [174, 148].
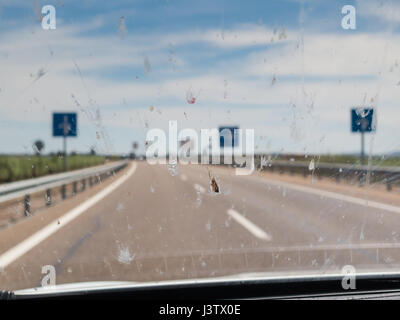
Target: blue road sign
[64, 124]
[362, 120]
[228, 137]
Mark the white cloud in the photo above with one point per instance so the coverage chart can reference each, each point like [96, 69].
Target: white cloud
[387, 11]
[238, 91]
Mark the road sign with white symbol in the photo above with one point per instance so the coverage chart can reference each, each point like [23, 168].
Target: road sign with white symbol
[362, 120]
[64, 125]
[228, 137]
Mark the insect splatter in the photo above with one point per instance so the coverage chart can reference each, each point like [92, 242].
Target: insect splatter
[213, 183]
[190, 97]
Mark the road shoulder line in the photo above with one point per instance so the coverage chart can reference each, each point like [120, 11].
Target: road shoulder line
[26, 245]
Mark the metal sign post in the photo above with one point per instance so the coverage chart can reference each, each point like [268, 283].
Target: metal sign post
[362, 120]
[64, 125]
[362, 148]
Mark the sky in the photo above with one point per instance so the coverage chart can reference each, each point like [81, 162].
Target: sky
[285, 68]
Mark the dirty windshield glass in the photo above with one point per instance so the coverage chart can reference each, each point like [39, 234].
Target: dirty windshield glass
[177, 140]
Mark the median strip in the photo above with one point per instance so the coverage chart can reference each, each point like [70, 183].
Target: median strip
[250, 226]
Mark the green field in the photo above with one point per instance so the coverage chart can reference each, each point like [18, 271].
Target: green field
[13, 168]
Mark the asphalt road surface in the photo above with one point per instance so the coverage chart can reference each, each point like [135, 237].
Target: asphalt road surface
[151, 223]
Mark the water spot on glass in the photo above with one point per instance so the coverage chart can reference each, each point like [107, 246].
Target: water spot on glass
[124, 254]
[120, 207]
[311, 166]
[273, 80]
[173, 168]
[122, 28]
[147, 65]
[282, 34]
[198, 199]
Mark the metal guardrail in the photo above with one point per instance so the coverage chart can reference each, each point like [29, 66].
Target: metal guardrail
[24, 189]
[389, 176]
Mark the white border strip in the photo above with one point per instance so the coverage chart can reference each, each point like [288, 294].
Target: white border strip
[333, 195]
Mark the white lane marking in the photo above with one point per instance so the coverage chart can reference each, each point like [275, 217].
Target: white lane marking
[336, 196]
[20, 249]
[183, 177]
[199, 188]
[250, 226]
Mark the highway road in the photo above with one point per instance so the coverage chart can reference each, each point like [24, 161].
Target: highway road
[149, 223]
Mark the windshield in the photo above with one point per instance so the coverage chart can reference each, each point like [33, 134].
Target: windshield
[177, 140]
